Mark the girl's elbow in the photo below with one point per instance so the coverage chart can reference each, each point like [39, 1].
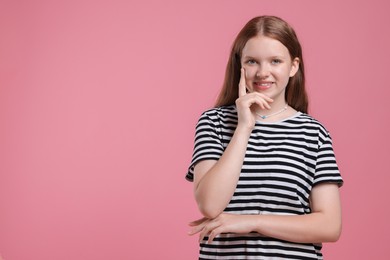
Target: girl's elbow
[209, 211]
[332, 238]
[208, 207]
[336, 235]
[333, 234]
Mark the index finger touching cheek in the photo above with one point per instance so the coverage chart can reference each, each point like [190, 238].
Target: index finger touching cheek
[242, 84]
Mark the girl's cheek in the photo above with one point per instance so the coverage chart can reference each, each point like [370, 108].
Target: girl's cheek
[250, 73]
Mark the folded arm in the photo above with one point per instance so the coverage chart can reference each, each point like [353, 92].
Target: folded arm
[322, 225]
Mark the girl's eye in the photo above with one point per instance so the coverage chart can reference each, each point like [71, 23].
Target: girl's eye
[251, 62]
[276, 61]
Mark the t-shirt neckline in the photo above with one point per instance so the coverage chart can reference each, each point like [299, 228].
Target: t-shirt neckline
[298, 113]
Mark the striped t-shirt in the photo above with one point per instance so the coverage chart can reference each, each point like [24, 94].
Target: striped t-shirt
[283, 161]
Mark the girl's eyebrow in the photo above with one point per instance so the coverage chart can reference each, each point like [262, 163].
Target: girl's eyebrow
[248, 57]
[272, 57]
[277, 57]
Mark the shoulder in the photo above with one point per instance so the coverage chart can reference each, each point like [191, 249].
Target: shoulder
[220, 119]
[223, 110]
[220, 113]
[309, 121]
[312, 124]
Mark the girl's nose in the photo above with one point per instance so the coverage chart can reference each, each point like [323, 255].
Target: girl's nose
[263, 71]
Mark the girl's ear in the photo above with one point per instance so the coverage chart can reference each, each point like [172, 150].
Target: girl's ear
[294, 67]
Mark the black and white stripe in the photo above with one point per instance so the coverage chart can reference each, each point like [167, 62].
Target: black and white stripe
[283, 161]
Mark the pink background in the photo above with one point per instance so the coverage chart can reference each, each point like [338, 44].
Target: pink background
[98, 103]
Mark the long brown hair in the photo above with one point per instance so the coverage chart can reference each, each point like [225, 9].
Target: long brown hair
[275, 28]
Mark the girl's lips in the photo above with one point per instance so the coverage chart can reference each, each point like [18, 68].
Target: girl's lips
[262, 85]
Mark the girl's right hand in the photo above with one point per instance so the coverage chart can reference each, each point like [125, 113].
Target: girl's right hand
[248, 103]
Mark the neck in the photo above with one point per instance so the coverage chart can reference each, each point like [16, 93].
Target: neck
[276, 111]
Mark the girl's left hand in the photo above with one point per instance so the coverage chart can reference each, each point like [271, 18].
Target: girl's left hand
[224, 223]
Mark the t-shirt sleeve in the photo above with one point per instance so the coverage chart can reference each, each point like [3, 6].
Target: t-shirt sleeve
[208, 143]
[326, 169]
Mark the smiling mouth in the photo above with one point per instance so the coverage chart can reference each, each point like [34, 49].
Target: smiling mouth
[262, 85]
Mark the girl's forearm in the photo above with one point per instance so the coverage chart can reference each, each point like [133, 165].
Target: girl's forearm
[311, 228]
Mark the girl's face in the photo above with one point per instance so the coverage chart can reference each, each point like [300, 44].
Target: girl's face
[268, 66]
